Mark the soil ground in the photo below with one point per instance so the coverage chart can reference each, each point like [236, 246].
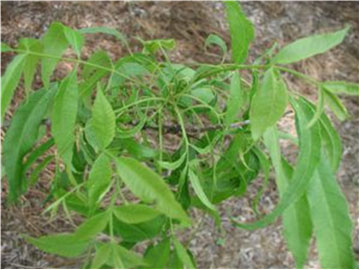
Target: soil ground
[190, 23]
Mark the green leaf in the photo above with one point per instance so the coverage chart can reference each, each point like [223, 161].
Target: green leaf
[241, 31]
[235, 100]
[31, 61]
[135, 213]
[309, 46]
[99, 180]
[152, 46]
[75, 39]
[195, 182]
[336, 105]
[216, 40]
[296, 218]
[183, 254]
[66, 245]
[10, 80]
[38, 152]
[93, 226]
[157, 256]
[21, 136]
[102, 255]
[307, 160]
[103, 120]
[173, 165]
[63, 116]
[5, 47]
[331, 219]
[104, 30]
[203, 93]
[150, 187]
[341, 87]
[55, 44]
[268, 104]
[34, 176]
[319, 108]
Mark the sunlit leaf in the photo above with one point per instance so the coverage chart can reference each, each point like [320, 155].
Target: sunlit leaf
[135, 213]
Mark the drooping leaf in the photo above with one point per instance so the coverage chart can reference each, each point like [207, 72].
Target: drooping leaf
[10, 80]
[150, 187]
[195, 182]
[21, 136]
[307, 160]
[66, 245]
[216, 40]
[296, 218]
[173, 165]
[135, 213]
[54, 44]
[31, 61]
[331, 219]
[336, 105]
[93, 226]
[309, 46]
[75, 39]
[235, 100]
[103, 120]
[158, 255]
[268, 104]
[99, 180]
[183, 254]
[241, 31]
[63, 116]
[341, 87]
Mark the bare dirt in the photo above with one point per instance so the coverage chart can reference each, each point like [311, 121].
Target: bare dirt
[190, 23]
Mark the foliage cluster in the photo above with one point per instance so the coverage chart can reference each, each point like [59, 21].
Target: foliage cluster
[129, 187]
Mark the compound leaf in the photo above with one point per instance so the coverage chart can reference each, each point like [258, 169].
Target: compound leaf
[150, 187]
[309, 46]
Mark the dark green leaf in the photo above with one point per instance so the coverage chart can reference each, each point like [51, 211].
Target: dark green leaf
[309, 46]
[241, 31]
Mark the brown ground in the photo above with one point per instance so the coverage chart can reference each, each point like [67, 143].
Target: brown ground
[190, 23]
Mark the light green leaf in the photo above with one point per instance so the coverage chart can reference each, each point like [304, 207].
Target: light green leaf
[296, 218]
[157, 256]
[331, 219]
[5, 47]
[309, 46]
[268, 104]
[183, 255]
[63, 116]
[104, 30]
[336, 105]
[135, 213]
[152, 46]
[103, 120]
[150, 187]
[235, 100]
[203, 93]
[129, 258]
[99, 180]
[216, 40]
[341, 87]
[173, 165]
[241, 31]
[75, 39]
[319, 108]
[10, 80]
[101, 256]
[21, 136]
[307, 160]
[66, 245]
[54, 44]
[93, 226]
[195, 182]
[31, 61]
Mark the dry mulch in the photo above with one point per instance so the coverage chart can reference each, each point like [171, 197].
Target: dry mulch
[190, 23]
